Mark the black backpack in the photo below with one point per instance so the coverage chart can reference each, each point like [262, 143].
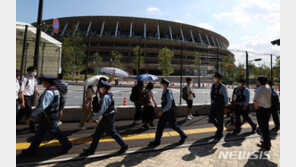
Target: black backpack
[184, 93]
[134, 97]
[95, 104]
[274, 99]
[146, 98]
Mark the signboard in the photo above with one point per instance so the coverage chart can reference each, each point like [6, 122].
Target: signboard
[56, 25]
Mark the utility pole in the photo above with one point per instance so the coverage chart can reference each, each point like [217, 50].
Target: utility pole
[247, 68]
[38, 34]
[271, 70]
[199, 62]
[139, 57]
[24, 50]
[181, 78]
[42, 63]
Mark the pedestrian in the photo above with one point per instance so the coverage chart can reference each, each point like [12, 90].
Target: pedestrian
[17, 90]
[48, 109]
[106, 124]
[219, 102]
[275, 106]
[241, 99]
[137, 96]
[28, 88]
[167, 114]
[62, 86]
[189, 99]
[86, 105]
[262, 104]
[149, 110]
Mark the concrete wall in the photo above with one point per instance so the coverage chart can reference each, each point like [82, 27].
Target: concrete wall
[73, 114]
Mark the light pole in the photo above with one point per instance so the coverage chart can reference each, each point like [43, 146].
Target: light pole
[181, 78]
[271, 70]
[139, 57]
[247, 67]
[38, 34]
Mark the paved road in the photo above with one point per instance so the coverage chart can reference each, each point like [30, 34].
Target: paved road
[198, 130]
[74, 97]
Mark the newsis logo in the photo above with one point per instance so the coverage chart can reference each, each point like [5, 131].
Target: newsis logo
[244, 155]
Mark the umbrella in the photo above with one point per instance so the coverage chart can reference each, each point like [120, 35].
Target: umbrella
[146, 77]
[93, 80]
[117, 72]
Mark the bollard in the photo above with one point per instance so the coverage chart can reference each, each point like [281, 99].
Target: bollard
[173, 84]
[124, 101]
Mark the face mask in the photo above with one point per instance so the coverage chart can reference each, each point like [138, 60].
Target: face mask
[34, 74]
[101, 90]
[239, 84]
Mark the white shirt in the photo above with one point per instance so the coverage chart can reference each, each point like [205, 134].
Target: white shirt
[190, 96]
[263, 96]
[28, 85]
[17, 88]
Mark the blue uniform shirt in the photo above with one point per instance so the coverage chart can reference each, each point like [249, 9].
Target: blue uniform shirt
[45, 100]
[170, 99]
[106, 102]
[223, 91]
[247, 95]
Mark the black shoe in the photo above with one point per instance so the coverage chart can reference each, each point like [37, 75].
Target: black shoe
[151, 124]
[145, 126]
[183, 138]
[218, 136]
[67, 148]
[154, 143]
[122, 150]
[254, 128]
[276, 128]
[27, 153]
[87, 152]
[236, 131]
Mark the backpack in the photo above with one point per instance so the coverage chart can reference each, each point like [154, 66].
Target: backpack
[95, 104]
[134, 97]
[184, 93]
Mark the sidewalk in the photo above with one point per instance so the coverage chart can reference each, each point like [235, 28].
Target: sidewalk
[236, 153]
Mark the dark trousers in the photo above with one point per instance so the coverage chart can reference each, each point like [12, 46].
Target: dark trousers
[239, 111]
[275, 116]
[263, 116]
[216, 116]
[52, 129]
[106, 125]
[168, 116]
[138, 113]
[27, 111]
[148, 114]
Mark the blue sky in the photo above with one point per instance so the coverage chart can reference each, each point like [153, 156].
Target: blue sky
[247, 24]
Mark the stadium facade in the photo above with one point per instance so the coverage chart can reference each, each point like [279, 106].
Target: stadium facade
[123, 34]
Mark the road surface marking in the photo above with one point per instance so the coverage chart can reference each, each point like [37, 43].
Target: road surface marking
[127, 137]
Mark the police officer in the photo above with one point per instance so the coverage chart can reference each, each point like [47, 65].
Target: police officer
[262, 104]
[48, 108]
[167, 114]
[107, 122]
[219, 102]
[274, 106]
[241, 99]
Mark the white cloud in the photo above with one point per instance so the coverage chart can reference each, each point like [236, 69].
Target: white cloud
[249, 10]
[206, 26]
[154, 10]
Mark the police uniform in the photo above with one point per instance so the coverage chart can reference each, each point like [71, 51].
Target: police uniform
[168, 108]
[219, 100]
[241, 100]
[48, 108]
[106, 124]
[274, 109]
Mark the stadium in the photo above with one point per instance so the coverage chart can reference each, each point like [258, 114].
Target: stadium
[107, 33]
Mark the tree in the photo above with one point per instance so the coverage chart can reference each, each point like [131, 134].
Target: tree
[73, 53]
[116, 56]
[165, 56]
[228, 67]
[97, 60]
[136, 59]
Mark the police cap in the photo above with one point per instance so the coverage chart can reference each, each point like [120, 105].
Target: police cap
[164, 81]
